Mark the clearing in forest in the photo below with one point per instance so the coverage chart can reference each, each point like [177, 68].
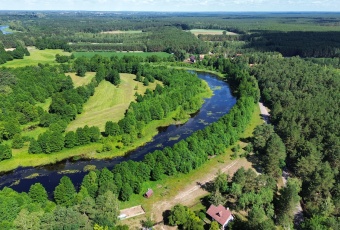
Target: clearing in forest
[80, 81]
[210, 32]
[109, 102]
[37, 56]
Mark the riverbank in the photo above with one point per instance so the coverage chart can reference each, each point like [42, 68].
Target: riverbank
[21, 157]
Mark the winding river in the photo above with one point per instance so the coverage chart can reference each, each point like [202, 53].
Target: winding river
[212, 109]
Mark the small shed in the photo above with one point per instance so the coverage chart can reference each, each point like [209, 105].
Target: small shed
[193, 59]
[148, 193]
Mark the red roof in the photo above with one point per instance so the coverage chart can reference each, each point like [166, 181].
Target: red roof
[219, 213]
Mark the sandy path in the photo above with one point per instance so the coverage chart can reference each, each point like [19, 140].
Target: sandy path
[264, 113]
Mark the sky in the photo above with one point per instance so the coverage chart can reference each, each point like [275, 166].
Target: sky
[173, 5]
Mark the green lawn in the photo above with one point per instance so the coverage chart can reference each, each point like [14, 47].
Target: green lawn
[109, 103]
[37, 56]
[81, 81]
[121, 54]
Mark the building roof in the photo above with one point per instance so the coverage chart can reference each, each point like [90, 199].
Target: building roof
[148, 193]
[219, 213]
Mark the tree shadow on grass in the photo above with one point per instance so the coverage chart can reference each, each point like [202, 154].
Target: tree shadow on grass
[253, 158]
[166, 215]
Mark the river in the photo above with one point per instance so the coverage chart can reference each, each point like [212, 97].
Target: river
[212, 109]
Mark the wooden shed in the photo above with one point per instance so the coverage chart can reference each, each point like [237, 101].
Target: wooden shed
[148, 193]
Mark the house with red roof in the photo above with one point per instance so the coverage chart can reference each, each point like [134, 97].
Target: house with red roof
[221, 214]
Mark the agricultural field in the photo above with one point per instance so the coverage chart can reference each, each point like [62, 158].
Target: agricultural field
[210, 32]
[121, 54]
[37, 56]
[109, 102]
[81, 81]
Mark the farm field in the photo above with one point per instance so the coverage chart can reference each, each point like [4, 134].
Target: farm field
[109, 102]
[80, 81]
[37, 56]
[121, 54]
[211, 32]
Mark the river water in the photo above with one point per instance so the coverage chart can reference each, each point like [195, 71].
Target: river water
[212, 109]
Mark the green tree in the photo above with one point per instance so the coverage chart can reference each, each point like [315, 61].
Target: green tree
[220, 183]
[90, 182]
[5, 152]
[70, 139]
[287, 201]
[214, 226]
[34, 147]
[17, 142]
[38, 194]
[125, 192]
[217, 198]
[65, 193]
[107, 207]
[26, 220]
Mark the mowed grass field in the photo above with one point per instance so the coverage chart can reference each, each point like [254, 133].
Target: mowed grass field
[109, 102]
[37, 56]
[211, 32]
[121, 54]
[80, 81]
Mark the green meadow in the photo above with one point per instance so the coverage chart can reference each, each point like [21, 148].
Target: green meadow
[37, 56]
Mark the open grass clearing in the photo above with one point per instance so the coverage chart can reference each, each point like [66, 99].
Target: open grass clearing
[81, 81]
[109, 102]
[121, 54]
[45, 105]
[210, 32]
[37, 56]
